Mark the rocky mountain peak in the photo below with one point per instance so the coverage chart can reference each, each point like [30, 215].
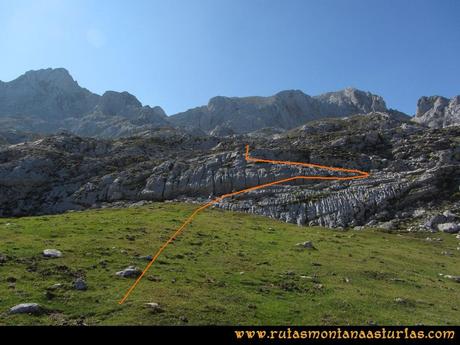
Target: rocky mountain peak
[50, 99]
[427, 103]
[46, 100]
[286, 109]
[114, 103]
[290, 94]
[438, 111]
[218, 102]
[352, 99]
[57, 78]
[47, 94]
[293, 97]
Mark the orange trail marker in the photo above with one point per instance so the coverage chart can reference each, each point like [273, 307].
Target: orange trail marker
[358, 175]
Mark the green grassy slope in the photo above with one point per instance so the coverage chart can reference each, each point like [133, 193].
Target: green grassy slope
[226, 268]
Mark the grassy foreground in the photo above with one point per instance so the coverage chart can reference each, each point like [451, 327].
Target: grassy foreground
[226, 268]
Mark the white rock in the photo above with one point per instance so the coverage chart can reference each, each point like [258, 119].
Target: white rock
[52, 253]
[450, 228]
[454, 278]
[26, 308]
[154, 307]
[129, 272]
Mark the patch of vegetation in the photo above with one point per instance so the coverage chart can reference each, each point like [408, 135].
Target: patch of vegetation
[226, 268]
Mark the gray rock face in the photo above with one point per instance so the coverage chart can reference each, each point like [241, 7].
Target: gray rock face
[350, 101]
[446, 219]
[27, 308]
[390, 225]
[287, 109]
[432, 224]
[9, 137]
[50, 94]
[438, 112]
[411, 168]
[118, 104]
[50, 100]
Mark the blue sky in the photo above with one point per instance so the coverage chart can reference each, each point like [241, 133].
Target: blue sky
[178, 54]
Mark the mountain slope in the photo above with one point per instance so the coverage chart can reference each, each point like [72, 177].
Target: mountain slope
[226, 268]
[411, 168]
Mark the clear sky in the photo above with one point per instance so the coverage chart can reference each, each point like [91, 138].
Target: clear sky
[178, 54]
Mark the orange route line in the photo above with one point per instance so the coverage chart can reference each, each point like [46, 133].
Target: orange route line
[359, 175]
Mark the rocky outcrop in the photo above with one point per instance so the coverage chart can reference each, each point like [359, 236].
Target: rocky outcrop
[411, 167]
[286, 109]
[438, 112]
[350, 101]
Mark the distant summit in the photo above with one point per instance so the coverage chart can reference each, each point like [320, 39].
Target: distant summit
[57, 77]
[50, 94]
[50, 100]
[286, 109]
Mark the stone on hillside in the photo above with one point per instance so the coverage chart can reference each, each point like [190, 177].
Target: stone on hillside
[390, 225]
[80, 284]
[146, 258]
[454, 278]
[418, 212]
[129, 272]
[449, 215]
[306, 245]
[55, 287]
[400, 300]
[437, 239]
[154, 308]
[432, 223]
[27, 308]
[450, 228]
[52, 253]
